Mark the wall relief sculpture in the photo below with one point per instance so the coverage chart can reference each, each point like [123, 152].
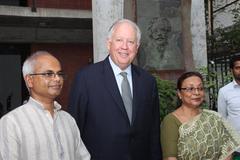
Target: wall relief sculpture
[160, 22]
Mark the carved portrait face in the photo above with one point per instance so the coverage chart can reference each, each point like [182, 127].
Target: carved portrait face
[158, 29]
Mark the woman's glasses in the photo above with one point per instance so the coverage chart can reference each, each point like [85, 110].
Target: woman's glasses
[192, 89]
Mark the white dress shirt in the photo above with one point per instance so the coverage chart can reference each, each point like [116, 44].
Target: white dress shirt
[229, 103]
[118, 77]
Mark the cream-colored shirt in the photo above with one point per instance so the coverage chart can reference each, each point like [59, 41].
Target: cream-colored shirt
[30, 133]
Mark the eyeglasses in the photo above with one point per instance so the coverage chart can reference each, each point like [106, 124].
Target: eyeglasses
[192, 89]
[50, 75]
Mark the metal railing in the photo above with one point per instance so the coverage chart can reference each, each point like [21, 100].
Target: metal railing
[219, 74]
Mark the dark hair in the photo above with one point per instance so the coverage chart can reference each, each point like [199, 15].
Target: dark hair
[233, 60]
[185, 76]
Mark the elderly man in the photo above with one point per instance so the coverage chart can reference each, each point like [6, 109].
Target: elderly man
[115, 103]
[39, 129]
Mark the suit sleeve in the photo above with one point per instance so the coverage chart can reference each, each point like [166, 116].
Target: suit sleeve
[155, 135]
[78, 100]
[222, 105]
[81, 150]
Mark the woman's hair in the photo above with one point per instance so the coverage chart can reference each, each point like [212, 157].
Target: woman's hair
[185, 76]
[182, 78]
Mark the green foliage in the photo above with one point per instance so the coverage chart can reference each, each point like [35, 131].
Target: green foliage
[208, 77]
[230, 38]
[227, 39]
[212, 86]
[167, 96]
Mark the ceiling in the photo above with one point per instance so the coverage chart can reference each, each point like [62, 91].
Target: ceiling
[19, 29]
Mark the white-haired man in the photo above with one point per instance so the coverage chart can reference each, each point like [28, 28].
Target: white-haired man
[39, 129]
[115, 103]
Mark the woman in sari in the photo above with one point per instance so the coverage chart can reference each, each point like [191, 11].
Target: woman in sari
[192, 133]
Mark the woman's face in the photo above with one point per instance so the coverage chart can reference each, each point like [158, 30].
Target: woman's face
[192, 92]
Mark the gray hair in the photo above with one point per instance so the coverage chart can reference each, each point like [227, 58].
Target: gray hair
[30, 62]
[135, 26]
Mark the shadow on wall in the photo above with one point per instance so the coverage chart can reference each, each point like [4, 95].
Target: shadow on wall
[5, 109]
[1, 110]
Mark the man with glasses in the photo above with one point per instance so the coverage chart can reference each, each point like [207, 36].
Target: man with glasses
[39, 129]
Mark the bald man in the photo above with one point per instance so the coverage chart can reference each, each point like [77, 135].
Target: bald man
[39, 129]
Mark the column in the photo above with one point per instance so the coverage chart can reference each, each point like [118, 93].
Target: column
[198, 30]
[104, 13]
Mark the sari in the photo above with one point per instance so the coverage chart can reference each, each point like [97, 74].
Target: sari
[208, 137]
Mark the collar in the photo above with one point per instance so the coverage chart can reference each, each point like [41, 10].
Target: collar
[235, 84]
[117, 70]
[39, 105]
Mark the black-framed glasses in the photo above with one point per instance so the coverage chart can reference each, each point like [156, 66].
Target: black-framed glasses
[192, 89]
[50, 75]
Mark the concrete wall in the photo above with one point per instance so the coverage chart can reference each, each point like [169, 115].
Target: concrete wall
[198, 30]
[224, 18]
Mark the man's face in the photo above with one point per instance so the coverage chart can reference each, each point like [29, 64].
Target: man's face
[122, 46]
[236, 71]
[45, 86]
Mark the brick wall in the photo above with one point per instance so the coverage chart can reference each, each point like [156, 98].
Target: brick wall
[62, 4]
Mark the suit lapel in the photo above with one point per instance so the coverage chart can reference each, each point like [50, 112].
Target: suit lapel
[136, 87]
[111, 85]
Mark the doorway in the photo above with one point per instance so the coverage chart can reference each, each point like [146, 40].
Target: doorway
[12, 90]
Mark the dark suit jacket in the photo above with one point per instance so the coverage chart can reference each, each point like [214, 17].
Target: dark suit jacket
[97, 106]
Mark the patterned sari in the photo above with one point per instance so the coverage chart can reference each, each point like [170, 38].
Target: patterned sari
[207, 137]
